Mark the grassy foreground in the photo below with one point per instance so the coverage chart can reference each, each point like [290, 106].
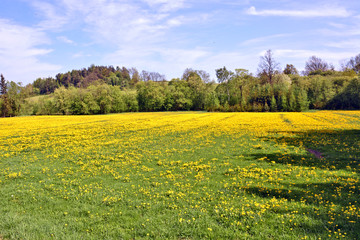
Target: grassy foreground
[181, 176]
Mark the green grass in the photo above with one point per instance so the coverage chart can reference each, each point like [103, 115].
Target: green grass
[150, 184]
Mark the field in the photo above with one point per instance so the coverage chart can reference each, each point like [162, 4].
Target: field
[181, 175]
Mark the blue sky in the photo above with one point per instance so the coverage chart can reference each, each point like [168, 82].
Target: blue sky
[39, 38]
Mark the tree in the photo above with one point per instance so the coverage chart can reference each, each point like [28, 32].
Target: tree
[315, 64]
[151, 96]
[302, 103]
[349, 98]
[268, 67]
[283, 105]
[5, 106]
[3, 86]
[224, 76]
[354, 64]
[152, 76]
[273, 104]
[135, 76]
[290, 70]
[181, 94]
[204, 76]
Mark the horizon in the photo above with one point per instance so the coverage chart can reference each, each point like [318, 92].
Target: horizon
[41, 38]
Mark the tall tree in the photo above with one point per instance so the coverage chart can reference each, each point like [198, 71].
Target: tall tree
[268, 67]
[354, 63]
[3, 87]
[315, 64]
[224, 76]
[205, 77]
[5, 107]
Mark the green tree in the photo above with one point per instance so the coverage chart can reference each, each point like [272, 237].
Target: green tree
[151, 96]
[5, 105]
[348, 99]
[224, 76]
[292, 101]
[302, 103]
[62, 100]
[15, 98]
[118, 103]
[181, 94]
[283, 105]
[290, 70]
[273, 104]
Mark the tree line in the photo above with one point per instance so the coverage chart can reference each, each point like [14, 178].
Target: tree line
[105, 89]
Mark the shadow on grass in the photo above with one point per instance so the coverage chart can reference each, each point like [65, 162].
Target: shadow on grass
[313, 193]
[316, 199]
[340, 149]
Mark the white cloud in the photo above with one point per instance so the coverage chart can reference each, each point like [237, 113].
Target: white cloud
[173, 61]
[80, 55]
[20, 53]
[65, 40]
[115, 22]
[169, 61]
[350, 31]
[320, 12]
[53, 19]
[166, 5]
[347, 43]
[266, 38]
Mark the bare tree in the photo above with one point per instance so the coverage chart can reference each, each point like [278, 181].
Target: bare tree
[354, 63]
[316, 64]
[205, 77]
[268, 67]
[152, 76]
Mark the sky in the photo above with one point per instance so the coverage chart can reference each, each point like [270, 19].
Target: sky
[40, 38]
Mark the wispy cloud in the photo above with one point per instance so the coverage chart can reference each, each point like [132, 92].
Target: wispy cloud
[80, 55]
[348, 43]
[117, 22]
[52, 18]
[20, 52]
[266, 38]
[166, 5]
[65, 40]
[323, 12]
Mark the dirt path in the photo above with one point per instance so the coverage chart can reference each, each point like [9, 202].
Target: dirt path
[317, 154]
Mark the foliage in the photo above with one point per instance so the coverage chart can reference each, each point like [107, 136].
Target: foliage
[5, 107]
[349, 98]
[354, 64]
[290, 70]
[105, 89]
[11, 98]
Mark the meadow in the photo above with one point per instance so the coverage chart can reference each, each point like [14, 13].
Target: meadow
[181, 175]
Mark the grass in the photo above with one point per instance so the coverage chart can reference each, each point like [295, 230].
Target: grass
[181, 176]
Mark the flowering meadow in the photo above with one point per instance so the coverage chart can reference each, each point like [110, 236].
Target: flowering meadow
[181, 175]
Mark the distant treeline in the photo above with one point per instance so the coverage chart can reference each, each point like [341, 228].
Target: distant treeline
[105, 89]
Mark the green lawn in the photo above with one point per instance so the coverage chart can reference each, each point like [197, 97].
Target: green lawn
[181, 176]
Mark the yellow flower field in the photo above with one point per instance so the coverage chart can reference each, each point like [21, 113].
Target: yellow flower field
[181, 175]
